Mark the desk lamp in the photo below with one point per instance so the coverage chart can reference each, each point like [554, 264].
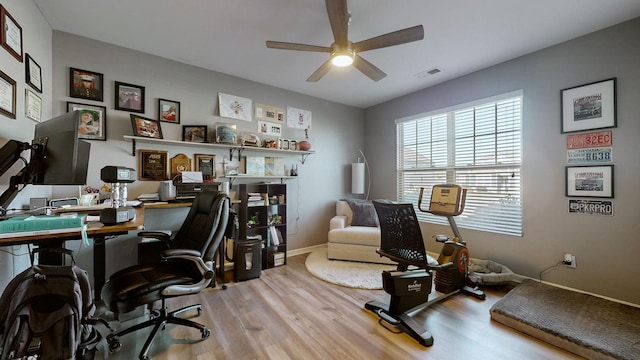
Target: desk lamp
[117, 177]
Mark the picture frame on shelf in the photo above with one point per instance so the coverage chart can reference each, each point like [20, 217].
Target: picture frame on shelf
[152, 165]
[85, 84]
[206, 164]
[32, 105]
[194, 133]
[145, 127]
[93, 120]
[590, 106]
[589, 181]
[8, 95]
[10, 34]
[129, 97]
[33, 73]
[169, 111]
[235, 107]
[226, 133]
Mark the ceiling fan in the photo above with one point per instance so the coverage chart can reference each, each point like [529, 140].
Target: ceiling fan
[344, 52]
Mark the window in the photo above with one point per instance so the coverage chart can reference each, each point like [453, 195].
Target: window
[477, 146]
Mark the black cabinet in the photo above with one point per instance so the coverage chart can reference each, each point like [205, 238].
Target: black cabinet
[263, 214]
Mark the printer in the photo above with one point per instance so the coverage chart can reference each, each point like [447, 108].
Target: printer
[186, 192]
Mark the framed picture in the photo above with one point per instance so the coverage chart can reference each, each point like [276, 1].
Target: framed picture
[235, 107]
[93, 121]
[32, 105]
[269, 113]
[33, 73]
[10, 34]
[129, 97]
[590, 106]
[226, 133]
[169, 111]
[194, 133]
[590, 181]
[85, 84]
[206, 164]
[179, 163]
[152, 165]
[8, 94]
[146, 127]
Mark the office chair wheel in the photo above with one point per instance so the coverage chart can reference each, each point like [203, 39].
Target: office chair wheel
[114, 343]
[205, 333]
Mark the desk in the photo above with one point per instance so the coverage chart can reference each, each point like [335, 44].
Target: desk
[95, 230]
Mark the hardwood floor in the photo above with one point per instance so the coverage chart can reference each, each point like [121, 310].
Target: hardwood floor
[289, 314]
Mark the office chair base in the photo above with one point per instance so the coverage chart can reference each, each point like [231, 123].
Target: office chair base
[159, 319]
[401, 321]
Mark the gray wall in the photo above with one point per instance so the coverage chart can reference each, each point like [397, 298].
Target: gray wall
[606, 248]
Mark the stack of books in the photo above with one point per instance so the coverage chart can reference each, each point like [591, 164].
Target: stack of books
[278, 258]
[257, 199]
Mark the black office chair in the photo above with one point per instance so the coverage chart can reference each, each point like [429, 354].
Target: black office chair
[187, 268]
[410, 284]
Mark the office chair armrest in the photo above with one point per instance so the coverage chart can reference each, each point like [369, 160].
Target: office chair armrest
[193, 256]
[164, 235]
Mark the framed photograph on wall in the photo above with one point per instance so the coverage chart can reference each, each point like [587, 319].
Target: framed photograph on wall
[152, 165]
[85, 84]
[129, 97]
[590, 181]
[33, 73]
[590, 106]
[93, 121]
[194, 133]
[10, 34]
[8, 94]
[146, 127]
[169, 111]
[206, 164]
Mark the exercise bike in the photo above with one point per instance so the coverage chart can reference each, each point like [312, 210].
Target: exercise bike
[410, 284]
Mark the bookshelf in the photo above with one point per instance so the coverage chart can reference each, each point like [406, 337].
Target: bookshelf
[263, 211]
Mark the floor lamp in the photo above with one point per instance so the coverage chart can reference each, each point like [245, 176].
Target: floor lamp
[358, 178]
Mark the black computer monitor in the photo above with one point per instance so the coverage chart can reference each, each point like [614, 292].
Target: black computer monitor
[66, 158]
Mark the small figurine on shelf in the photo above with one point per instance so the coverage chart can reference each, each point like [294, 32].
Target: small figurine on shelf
[294, 171]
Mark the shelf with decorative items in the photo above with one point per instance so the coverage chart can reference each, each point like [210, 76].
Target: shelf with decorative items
[239, 149]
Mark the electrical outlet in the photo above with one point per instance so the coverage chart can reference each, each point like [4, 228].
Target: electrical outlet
[569, 263]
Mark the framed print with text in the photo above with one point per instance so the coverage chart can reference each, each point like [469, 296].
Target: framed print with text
[93, 121]
[206, 164]
[590, 181]
[8, 94]
[10, 34]
[33, 73]
[590, 106]
[129, 97]
[32, 105]
[152, 165]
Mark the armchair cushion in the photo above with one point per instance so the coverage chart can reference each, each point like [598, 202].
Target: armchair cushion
[364, 214]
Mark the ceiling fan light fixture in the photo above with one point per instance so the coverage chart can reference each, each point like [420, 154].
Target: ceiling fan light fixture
[342, 60]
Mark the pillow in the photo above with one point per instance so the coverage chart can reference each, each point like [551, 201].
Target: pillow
[364, 214]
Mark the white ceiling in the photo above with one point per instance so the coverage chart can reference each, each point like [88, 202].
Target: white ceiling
[461, 36]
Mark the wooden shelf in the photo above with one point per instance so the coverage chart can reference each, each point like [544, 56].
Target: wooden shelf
[231, 147]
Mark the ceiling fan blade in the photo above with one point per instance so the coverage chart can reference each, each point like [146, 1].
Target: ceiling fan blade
[368, 68]
[322, 71]
[339, 19]
[393, 38]
[294, 46]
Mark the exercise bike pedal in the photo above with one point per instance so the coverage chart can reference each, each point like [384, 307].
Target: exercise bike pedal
[474, 291]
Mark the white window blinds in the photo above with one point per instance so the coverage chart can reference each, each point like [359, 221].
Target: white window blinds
[476, 146]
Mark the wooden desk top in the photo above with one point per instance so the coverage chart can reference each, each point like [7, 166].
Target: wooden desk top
[93, 229]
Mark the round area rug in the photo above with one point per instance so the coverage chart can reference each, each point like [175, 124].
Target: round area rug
[345, 273]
